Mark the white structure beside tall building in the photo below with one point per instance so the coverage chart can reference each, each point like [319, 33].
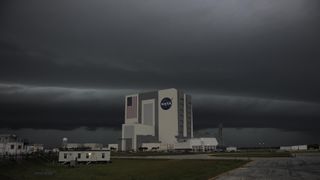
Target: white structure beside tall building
[161, 117]
[10, 144]
[113, 147]
[203, 144]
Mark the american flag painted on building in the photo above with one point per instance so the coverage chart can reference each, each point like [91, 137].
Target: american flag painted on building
[132, 107]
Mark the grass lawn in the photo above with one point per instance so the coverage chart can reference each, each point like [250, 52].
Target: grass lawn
[153, 153]
[120, 169]
[253, 154]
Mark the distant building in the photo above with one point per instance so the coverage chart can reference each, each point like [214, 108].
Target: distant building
[35, 148]
[4, 138]
[10, 144]
[12, 148]
[113, 147]
[163, 116]
[93, 146]
[66, 156]
[231, 149]
[294, 148]
[151, 147]
[90, 146]
[55, 150]
[198, 144]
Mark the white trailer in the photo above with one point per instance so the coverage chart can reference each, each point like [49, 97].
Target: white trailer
[66, 156]
[231, 149]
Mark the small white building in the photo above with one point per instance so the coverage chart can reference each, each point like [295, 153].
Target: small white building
[285, 148]
[204, 144]
[91, 146]
[84, 156]
[113, 147]
[198, 144]
[231, 149]
[151, 146]
[72, 145]
[55, 150]
[10, 144]
[183, 145]
[33, 148]
[294, 148]
[12, 148]
[300, 148]
[166, 147]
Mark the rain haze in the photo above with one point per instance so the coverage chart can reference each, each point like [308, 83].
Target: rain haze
[253, 65]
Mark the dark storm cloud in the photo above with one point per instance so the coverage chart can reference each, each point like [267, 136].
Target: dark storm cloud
[59, 108]
[256, 62]
[237, 111]
[69, 108]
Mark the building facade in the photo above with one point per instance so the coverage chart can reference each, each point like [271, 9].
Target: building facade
[84, 156]
[294, 148]
[203, 144]
[113, 147]
[163, 116]
[11, 144]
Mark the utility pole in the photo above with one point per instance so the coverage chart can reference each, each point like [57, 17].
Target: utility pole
[220, 134]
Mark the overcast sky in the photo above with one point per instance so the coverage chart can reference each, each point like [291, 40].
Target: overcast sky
[66, 65]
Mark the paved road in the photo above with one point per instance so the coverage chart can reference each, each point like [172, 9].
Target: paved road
[301, 167]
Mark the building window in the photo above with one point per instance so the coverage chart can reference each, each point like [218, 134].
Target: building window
[79, 155]
[129, 101]
[12, 146]
[103, 155]
[87, 155]
[19, 146]
[65, 155]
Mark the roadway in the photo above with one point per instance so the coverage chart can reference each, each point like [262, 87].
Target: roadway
[303, 166]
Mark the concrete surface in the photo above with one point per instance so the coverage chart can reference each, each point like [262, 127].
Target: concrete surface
[303, 166]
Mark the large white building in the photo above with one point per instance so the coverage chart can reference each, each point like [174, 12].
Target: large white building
[163, 116]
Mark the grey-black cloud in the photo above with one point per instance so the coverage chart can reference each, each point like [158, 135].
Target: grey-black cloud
[69, 108]
[66, 64]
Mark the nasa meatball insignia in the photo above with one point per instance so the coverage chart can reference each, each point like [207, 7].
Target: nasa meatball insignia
[166, 103]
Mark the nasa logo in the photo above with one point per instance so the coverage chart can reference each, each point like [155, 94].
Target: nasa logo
[166, 103]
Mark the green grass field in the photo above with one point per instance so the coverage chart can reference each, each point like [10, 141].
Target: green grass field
[153, 153]
[253, 154]
[120, 169]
